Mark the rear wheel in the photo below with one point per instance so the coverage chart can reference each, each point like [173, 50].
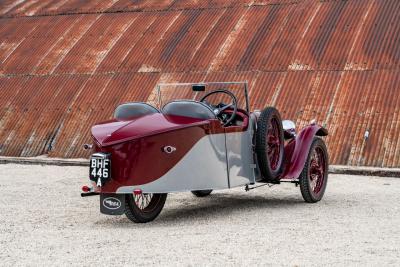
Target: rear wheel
[314, 177]
[201, 193]
[270, 144]
[142, 208]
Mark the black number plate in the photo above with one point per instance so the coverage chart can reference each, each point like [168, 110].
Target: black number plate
[100, 168]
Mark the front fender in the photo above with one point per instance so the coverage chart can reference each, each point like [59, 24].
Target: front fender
[297, 150]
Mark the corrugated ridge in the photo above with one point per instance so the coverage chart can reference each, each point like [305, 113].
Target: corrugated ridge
[42, 8]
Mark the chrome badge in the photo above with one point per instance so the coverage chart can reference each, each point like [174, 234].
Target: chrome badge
[112, 203]
[169, 149]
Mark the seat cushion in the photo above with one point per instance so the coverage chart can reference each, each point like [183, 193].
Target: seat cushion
[187, 108]
[134, 109]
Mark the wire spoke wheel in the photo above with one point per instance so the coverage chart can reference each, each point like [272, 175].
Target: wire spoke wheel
[270, 144]
[273, 144]
[317, 170]
[143, 200]
[141, 208]
[314, 177]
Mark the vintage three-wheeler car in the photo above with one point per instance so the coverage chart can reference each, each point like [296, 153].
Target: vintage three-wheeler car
[199, 138]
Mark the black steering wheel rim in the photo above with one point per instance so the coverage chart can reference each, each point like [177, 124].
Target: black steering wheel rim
[234, 102]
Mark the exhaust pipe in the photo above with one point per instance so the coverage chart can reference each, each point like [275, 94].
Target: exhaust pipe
[88, 191]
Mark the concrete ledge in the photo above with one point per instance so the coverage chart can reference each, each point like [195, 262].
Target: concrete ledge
[336, 169]
[44, 161]
[363, 170]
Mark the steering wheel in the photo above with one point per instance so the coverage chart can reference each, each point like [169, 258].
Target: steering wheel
[219, 108]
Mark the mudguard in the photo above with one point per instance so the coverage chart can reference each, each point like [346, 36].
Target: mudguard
[112, 204]
[297, 150]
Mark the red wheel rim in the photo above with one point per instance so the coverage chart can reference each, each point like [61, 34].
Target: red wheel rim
[273, 144]
[317, 170]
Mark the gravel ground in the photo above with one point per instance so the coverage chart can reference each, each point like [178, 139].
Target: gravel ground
[44, 221]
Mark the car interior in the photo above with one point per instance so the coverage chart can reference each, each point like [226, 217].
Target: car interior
[228, 114]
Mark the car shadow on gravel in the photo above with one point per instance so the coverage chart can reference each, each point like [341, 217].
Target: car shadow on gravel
[217, 206]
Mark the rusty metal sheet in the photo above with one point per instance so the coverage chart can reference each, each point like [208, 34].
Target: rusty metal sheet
[53, 7]
[9, 91]
[189, 41]
[66, 64]
[259, 45]
[286, 50]
[141, 5]
[91, 106]
[212, 44]
[75, 28]
[138, 58]
[233, 52]
[24, 107]
[378, 41]
[7, 5]
[45, 128]
[88, 52]
[61, 7]
[78, 111]
[139, 24]
[366, 101]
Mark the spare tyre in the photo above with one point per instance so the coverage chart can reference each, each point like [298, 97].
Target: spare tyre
[270, 144]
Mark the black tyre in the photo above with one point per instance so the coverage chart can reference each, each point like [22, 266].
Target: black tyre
[144, 208]
[201, 193]
[314, 177]
[270, 144]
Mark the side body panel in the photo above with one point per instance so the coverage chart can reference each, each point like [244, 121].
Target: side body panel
[208, 165]
[205, 155]
[296, 151]
[197, 162]
[202, 167]
[142, 161]
[240, 155]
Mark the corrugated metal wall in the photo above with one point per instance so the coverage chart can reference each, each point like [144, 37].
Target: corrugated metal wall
[66, 64]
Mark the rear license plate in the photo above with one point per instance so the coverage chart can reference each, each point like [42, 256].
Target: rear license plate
[100, 168]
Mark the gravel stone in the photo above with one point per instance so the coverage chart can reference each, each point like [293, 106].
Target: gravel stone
[44, 221]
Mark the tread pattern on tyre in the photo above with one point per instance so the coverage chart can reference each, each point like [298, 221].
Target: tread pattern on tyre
[308, 196]
[261, 144]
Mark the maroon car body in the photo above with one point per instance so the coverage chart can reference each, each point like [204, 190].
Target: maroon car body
[191, 145]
